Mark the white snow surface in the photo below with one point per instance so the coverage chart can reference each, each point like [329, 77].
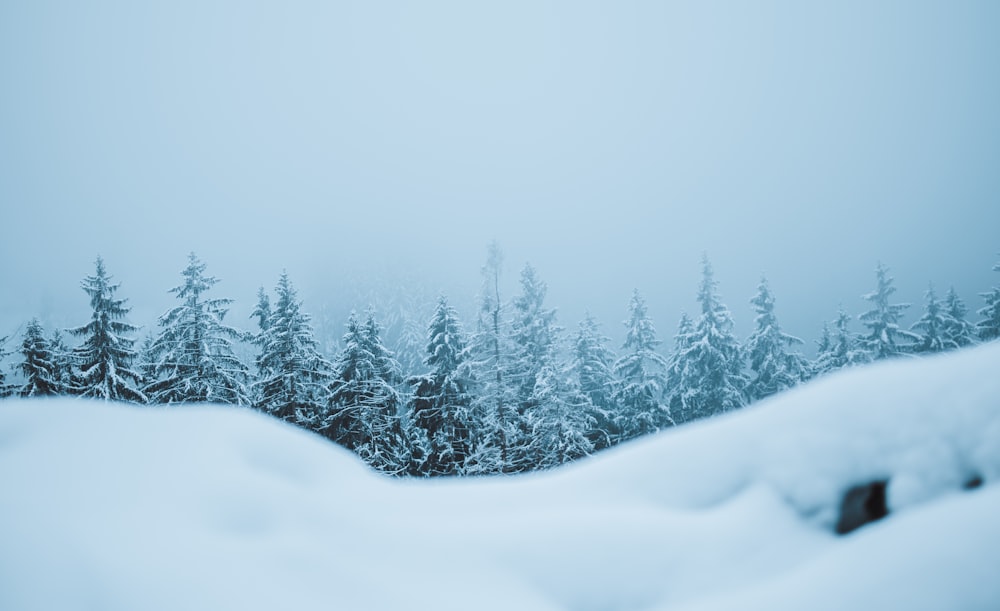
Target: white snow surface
[106, 506]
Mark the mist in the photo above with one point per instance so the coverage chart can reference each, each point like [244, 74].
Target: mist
[377, 148]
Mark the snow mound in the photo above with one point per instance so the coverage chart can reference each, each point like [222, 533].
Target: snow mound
[117, 507]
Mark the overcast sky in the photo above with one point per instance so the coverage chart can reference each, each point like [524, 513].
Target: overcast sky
[609, 143]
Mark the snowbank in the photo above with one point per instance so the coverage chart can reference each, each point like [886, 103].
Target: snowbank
[117, 507]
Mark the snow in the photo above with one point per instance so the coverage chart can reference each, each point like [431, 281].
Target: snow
[119, 507]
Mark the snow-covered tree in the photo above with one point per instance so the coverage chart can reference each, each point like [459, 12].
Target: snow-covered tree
[676, 363]
[5, 389]
[103, 363]
[62, 361]
[262, 311]
[292, 375]
[39, 368]
[709, 361]
[559, 423]
[363, 412]
[885, 338]
[592, 367]
[989, 327]
[774, 367]
[498, 430]
[933, 325]
[441, 406]
[192, 358]
[534, 333]
[641, 373]
[843, 349]
[957, 329]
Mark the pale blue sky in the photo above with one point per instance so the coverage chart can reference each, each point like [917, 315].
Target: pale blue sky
[608, 143]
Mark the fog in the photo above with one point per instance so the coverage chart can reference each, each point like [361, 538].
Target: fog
[375, 147]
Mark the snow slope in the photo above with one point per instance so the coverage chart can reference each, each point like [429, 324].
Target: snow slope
[115, 507]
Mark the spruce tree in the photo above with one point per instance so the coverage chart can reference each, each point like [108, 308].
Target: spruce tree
[441, 406]
[560, 422]
[103, 363]
[292, 375]
[641, 373]
[709, 362]
[363, 411]
[957, 329]
[498, 430]
[192, 358]
[843, 349]
[534, 333]
[5, 389]
[933, 326]
[592, 368]
[62, 361]
[885, 338]
[39, 366]
[262, 311]
[774, 367]
[989, 327]
[677, 365]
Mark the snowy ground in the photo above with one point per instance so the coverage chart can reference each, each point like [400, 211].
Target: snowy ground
[116, 507]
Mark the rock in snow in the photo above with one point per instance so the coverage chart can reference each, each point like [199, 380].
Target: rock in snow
[107, 506]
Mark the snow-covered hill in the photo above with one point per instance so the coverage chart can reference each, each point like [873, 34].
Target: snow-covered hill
[118, 507]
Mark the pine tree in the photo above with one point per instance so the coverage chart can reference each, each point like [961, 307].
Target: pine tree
[844, 348]
[534, 333]
[62, 361]
[560, 421]
[677, 364]
[291, 382]
[498, 430]
[39, 366]
[709, 362]
[103, 363]
[262, 311]
[957, 329]
[441, 406]
[5, 389]
[592, 367]
[933, 325]
[192, 357]
[775, 369]
[641, 374]
[989, 327]
[885, 338]
[363, 412]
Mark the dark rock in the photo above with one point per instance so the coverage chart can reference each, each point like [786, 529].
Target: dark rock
[974, 482]
[862, 505]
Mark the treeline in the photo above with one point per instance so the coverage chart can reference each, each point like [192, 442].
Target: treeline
[515, 393]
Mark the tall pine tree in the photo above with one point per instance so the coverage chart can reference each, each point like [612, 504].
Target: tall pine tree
[592, 367]
[774, 367]
[989, 327]
[5, 389]
[39, 367]
[292, 375]
[885, 338]
[441, 406]
[933, 326]
[709, 362]
[641, 373]
[957, 329]
[103, 363]
[560, 423]
[498, 429]
[192, 358]
[363, 413]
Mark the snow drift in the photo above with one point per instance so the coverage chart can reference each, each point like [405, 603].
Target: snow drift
[109, 506]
